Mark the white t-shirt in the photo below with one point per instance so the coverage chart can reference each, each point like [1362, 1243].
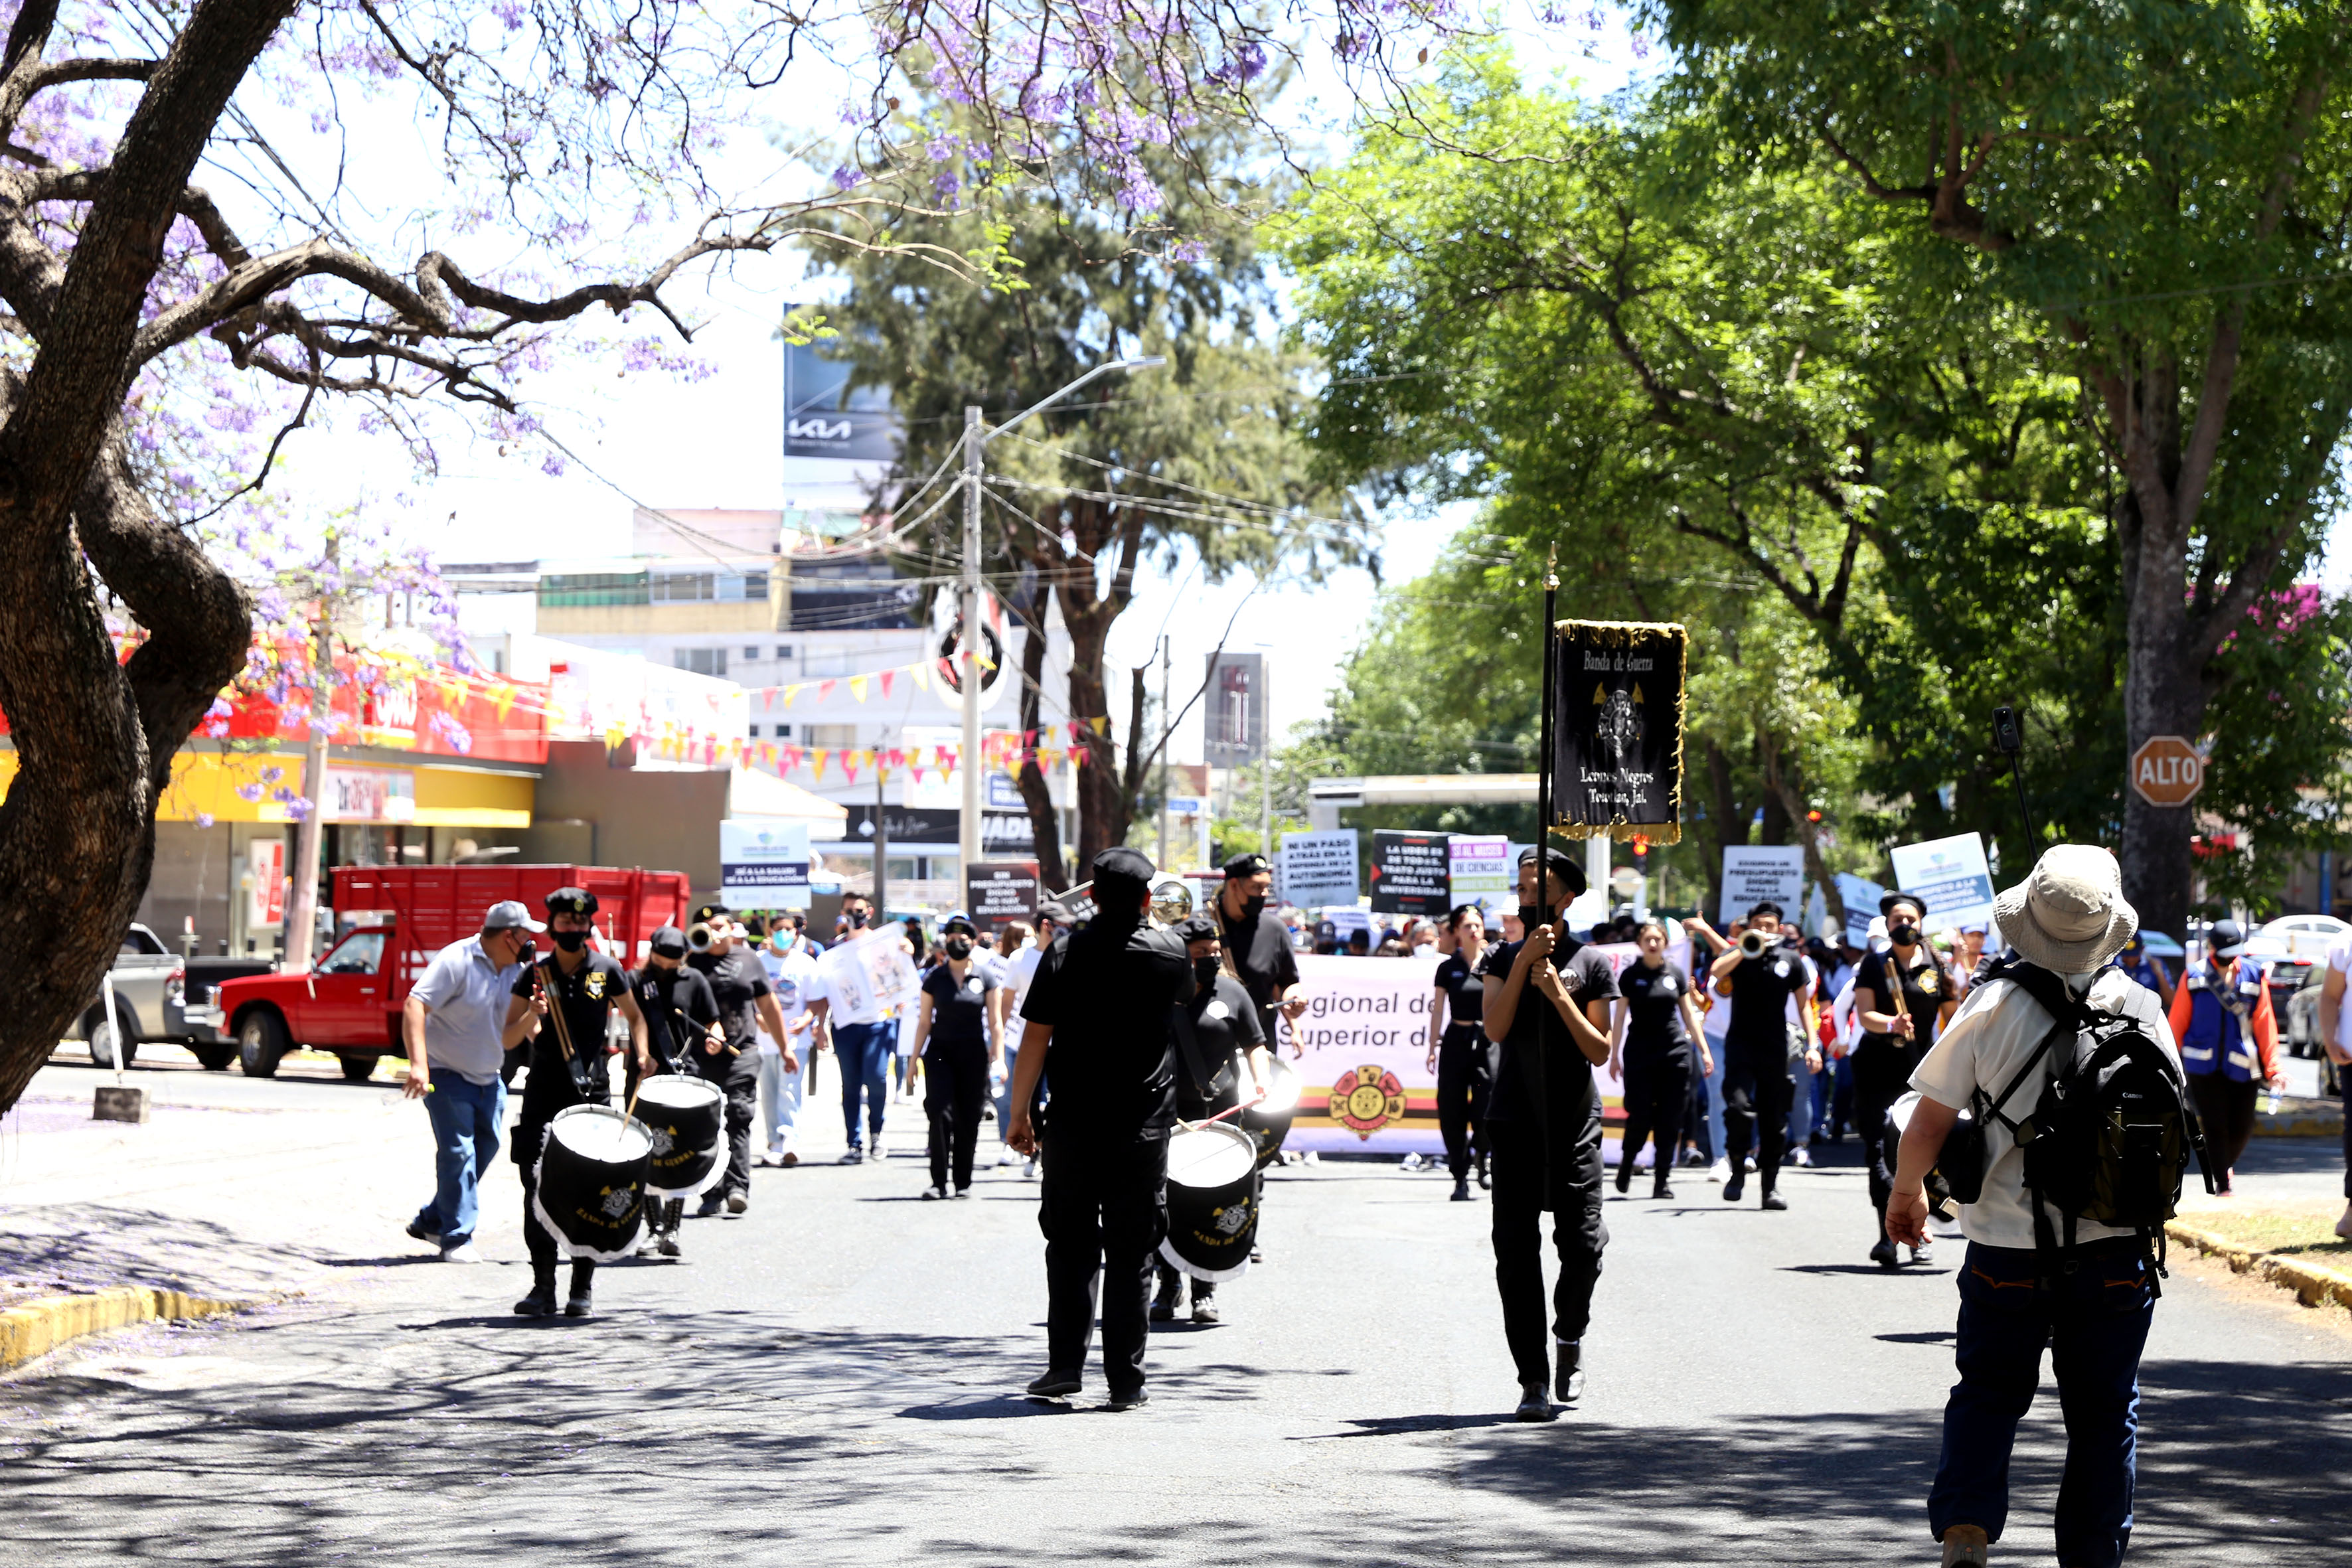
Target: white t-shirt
[1015, 975]
[1983, 1047]
[794, 979]
[2339, 959]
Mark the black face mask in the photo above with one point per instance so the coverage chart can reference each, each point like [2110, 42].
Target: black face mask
[570, 940]
[1530, 917]
[525, 951]
[1250, 907]
[857, 918]
[1904, 935]
[1205, 972]
[959, 947]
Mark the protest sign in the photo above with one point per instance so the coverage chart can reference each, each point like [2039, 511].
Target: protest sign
[1951, 875]
[1318, 869]
[1480, 872]
[1617, 731]
[873, 971]
[1411, 873]
[1752, 875]
[763, 865]
[1861, 898]
[998, 893]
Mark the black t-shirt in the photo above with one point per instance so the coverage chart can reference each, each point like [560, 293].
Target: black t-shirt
[663, 994]
[1653, 1012]
[1553, 1086]
[737, 980]
[1223, 1021]
[1107, 991]
[959, 1011]
[1924, 987]
[1760, 989]
[1465, 994]
[1262, 957]
[586, 996]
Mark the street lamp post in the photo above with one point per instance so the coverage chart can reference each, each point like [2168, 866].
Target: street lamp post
[976, 439]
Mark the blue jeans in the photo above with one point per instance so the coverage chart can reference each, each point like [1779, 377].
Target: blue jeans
[1715, 1139]
[1005, 1092]
[2094, 1323]
[466, 1120]
[866, 1053]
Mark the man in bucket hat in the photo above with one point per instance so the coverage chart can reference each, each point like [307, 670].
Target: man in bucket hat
[2070, 918]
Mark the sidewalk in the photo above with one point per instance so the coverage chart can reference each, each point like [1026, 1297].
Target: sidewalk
[2280, 1224]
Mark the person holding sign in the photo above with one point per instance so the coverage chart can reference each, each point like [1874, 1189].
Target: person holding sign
[1762, 975]
[1902, 997]
[1545, 1003]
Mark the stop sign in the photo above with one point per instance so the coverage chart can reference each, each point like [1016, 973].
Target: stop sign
[2167, 771]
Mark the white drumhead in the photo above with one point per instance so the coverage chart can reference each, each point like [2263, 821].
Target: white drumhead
[600, 1133]
[1214, 1155]
[1282, 1088]
[677, 1091]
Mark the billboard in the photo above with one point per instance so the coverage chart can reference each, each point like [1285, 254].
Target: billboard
[1233, 718]
[824, 416]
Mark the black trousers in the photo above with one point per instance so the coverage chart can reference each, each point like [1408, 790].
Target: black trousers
[1526, 1185]
[529, 1143]
[1882, 1075]
[742, 1088]
[1464, 1074]
[1657, 1092]
[955, 1086]
[2227, 1108]
[1757, 1087]
[1103, 1207]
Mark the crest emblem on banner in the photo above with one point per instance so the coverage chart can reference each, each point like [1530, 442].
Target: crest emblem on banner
[1367, 1100]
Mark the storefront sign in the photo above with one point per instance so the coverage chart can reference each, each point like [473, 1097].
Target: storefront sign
[265, 881]
[763, 865]
[370, 794]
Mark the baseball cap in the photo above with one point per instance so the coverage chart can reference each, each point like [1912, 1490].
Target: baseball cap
[509, 915]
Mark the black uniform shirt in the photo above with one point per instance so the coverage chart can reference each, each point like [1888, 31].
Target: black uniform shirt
[1653, 1013]
[662, 995]
[1760, 989]
[586, 996]
[1551, 1087]
[1465, 994]
[737, 979]
[1262, 957]
[1224, 1021]
[1922, 1001]
[959, 1012]
[1107, 991]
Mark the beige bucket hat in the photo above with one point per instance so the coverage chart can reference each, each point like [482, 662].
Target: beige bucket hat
[2070, 914]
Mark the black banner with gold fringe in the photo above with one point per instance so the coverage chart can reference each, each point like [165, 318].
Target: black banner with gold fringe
[1617, 729]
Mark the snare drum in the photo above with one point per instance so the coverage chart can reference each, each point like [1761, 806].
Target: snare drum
[686, 1117]
[590, 1181]
[1268, 1121]
[1213, 1184]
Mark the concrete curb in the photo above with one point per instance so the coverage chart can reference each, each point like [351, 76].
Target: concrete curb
[2299, 1117]
[40, 1327]
[2312, 1285]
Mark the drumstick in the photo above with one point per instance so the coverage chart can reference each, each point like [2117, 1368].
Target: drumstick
[563, 1034]
[1220, 1116]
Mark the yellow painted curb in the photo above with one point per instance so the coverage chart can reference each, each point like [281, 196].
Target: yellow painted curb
[40, 1327]
[2312, 1285]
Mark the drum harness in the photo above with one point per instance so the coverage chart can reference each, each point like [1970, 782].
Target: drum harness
[1189, 1043]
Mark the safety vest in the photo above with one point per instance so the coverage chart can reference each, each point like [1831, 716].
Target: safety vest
[2218, 1039]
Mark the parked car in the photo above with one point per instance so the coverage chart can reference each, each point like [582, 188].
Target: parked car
[2305, 938]
[200, 1026]
[349, 1002]
[146, 981]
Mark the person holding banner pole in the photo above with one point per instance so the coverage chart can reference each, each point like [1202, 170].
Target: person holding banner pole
[1545, 1003]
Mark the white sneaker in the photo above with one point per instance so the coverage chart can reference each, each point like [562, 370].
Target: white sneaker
[463, 1252]
[1029, 1169]
[1800, 1158]
[1749, 1164]
[1004, 1157]
[1719, 1173]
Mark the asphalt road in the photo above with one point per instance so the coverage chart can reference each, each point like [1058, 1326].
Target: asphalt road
[834, 1378]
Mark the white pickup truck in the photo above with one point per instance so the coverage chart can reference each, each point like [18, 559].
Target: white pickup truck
[146, 980]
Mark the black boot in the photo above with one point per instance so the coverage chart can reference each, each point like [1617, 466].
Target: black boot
[1164, 1299]
[540, 1302]
[584, 1276]
[1567, 1380]
[1461, 1189]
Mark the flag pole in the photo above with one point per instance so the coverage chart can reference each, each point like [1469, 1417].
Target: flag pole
[1543, 723]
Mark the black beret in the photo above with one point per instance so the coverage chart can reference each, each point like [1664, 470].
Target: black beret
[1886, 905]
[571, 901]
[1560, 864]
[1121, 862]
[1248, 864]
[670, 942]
[1196, 928]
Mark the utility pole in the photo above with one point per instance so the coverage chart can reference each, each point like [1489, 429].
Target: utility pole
[1166, 857]
[302, 908]
[881, 845]
[968, 651]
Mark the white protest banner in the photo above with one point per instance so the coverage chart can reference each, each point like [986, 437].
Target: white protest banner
[1950, 874]
[1861, 898]
[1482, 874]
[875, 971]
[763, 865]
[1365, 1036]
[1750, 875]
[1318, 869]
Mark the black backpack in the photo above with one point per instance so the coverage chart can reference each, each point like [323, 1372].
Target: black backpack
[2110, 1140]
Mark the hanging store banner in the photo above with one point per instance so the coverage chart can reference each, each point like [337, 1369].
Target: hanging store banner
[1617, 729]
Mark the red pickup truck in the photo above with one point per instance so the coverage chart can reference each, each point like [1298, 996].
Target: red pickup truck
[350, 1004]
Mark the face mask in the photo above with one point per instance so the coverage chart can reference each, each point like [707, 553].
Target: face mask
[1904, 935]
[857, 918]
[1204, 971]
[1250, 907]
[570, 940]
[525, 949]
[959, 947]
